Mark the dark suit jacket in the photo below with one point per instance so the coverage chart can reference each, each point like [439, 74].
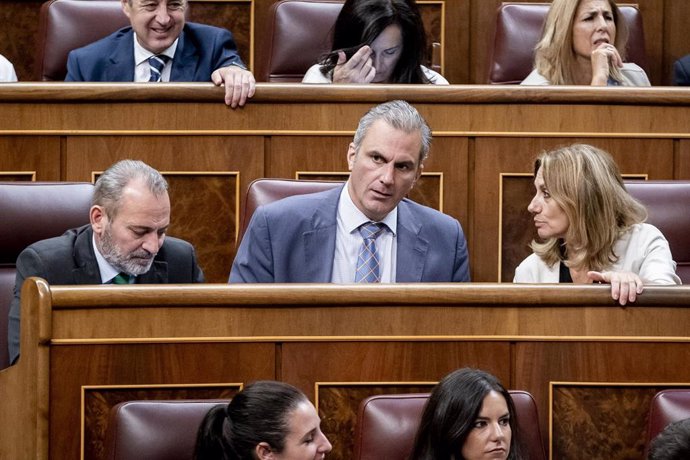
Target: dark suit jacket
[293, 241]
[681, 71]
[200, 50]
[69, 259]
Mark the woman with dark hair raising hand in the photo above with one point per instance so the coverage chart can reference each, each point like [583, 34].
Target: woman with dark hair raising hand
[376, 41]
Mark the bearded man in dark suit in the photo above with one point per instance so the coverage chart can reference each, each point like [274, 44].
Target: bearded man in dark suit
[125, 242]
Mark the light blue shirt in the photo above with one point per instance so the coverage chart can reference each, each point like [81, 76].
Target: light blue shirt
[348, 241]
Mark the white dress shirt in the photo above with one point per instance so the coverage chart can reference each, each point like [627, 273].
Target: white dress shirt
[7, 73]
[348, 242]
[142, 69]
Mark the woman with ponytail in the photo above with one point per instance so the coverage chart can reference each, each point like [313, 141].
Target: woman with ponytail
[266, 421]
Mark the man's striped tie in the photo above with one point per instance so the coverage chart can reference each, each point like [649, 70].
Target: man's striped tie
[157, 63]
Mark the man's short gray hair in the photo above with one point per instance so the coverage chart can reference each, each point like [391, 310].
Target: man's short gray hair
[400, 115]
[111, 183]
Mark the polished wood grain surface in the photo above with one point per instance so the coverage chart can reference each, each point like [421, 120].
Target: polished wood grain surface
[295, 92]
[352, 339]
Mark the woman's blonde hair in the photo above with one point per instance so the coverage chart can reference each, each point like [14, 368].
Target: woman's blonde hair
[555, 57]
[584, 181]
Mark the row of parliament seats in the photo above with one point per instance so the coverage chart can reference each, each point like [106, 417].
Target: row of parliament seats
[34, 211]
[300, 32]
[31, 208]
[386, 425]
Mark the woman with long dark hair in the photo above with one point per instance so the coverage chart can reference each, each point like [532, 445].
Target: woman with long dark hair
[469, 416]
[376, 41]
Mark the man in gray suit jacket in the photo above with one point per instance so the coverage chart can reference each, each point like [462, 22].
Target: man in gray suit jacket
[328, 237]
[125, 242]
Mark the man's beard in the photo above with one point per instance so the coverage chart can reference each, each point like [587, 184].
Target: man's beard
[134, 263]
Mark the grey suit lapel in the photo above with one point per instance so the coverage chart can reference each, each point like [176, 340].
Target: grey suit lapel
[412, 247]
[319, 242]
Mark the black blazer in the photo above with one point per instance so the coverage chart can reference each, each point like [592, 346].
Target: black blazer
[681, 71]
[70, 259]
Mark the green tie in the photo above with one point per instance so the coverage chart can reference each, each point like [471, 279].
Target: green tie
[121, 278]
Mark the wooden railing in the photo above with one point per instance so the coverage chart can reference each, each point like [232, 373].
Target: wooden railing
[85, 348]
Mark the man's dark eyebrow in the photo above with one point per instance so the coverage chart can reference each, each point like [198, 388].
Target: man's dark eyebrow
[148, 229]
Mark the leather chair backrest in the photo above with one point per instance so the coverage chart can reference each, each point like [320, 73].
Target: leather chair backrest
[300, 31]
[33, 211]
[668, 206]
[65, 25]
[387, 425]
[264, 191]
[667, 406]
[155, 430]
[519, 28]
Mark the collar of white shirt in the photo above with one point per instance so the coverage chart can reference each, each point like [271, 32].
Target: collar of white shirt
[142, 71]
[353, 218]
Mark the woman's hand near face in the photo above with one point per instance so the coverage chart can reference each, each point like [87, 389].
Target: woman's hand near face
[625, 286]
[603, 56]
[358, 69]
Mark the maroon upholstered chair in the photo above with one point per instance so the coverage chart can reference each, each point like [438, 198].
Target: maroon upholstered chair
[155, 430]
[299, 32]
[264, 191]
[667, 406]
[387, 425]
[65, 25]
[519, 28]
[668, 206]
[33, 211]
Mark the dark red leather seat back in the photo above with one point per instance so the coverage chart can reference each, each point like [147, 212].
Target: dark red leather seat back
[667, 406]
[300, 32]
[29, 212]
[387, 425]
[668, 206]
[65, 25]
[155, 430]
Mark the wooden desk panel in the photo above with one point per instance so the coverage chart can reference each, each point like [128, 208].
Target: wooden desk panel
[99, 344]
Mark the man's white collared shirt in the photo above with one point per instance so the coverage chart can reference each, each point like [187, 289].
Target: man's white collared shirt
[142, 69]
[348, 241]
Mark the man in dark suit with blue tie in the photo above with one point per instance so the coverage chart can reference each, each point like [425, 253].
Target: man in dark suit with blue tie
[366, 230]
[159, 46]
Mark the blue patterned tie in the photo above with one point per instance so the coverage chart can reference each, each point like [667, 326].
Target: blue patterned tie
[157, 63]
[368, 258]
